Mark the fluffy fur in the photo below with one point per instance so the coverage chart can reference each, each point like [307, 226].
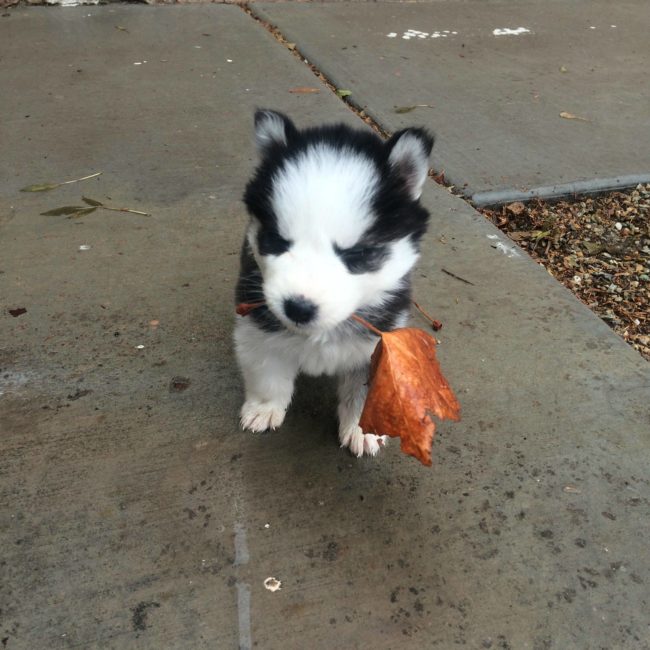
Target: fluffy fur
[335, 230]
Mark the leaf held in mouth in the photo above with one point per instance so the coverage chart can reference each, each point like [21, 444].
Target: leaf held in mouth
[406, 389]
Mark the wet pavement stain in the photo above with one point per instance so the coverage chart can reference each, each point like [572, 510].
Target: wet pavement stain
[179, 384]
[140, 612]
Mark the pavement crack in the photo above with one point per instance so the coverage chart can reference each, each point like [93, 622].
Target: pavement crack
[295, 51]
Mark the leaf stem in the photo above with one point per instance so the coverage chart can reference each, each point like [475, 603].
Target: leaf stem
[435, 324]
[85, 178]
[365, 323]
[144, 214]
[245, 308]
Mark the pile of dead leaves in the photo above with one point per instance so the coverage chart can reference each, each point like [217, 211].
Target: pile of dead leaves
[597, 247]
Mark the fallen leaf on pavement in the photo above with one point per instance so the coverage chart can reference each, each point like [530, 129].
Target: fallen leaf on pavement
[571, 116]
[66, 209]
[519, 235]
[94, 202]
[81, 213]
[304, 90]
[45, 187]
[73, 211]
[343, 93]
[19, 311]
[408, 109]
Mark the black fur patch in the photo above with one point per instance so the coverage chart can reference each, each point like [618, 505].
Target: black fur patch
[362, 258]
[397, 214]
[270, 242]
[249, 289]
[386, 317]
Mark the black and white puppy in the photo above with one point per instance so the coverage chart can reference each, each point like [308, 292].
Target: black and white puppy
[334, 231]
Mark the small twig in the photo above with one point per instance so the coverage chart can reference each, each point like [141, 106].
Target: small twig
[453, 275]
[436, 325]
[144, 214]
[85, 178]
[365, 323]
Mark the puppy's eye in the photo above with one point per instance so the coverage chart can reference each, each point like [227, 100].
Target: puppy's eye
[270, 242]
[362, 259]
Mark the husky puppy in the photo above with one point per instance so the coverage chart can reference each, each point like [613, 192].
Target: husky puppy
[334, 231]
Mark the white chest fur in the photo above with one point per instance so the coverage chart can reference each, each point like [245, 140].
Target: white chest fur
[324, 354]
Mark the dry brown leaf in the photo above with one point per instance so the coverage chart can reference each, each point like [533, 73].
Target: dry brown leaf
[438, 177]
[406, 388]
[519, 235]
[304, 90]
[516, 208]
[571, 116]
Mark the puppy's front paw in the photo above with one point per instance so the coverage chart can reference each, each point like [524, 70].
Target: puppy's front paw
[260, 416]
[360, 443]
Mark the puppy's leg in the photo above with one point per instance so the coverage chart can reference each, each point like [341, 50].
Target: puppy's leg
[352, 390]
[268, 379]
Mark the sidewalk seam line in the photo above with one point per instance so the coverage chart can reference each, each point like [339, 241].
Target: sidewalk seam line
[437, 176]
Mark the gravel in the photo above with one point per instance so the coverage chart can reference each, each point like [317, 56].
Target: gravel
[599, 247]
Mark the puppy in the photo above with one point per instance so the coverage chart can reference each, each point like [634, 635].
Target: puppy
[335, 230]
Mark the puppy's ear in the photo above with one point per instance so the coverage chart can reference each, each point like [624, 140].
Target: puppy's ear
[272, 128]
[409, 152]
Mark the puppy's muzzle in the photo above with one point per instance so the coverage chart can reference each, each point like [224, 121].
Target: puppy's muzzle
[300, 310]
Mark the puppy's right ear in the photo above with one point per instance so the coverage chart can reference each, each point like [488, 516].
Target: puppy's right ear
[272, 129]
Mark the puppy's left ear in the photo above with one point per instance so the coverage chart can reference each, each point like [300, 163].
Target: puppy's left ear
[272, 128]
[409, 152]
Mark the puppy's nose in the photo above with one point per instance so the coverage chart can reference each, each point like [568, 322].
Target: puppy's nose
[299, 309]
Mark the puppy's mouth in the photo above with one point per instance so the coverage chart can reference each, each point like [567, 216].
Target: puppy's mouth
[301, 319]
[301, 316]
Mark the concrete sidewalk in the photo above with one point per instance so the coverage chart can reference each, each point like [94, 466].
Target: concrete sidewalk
[134, 512]
[495, 99]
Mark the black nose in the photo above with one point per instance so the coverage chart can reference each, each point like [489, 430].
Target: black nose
[300, 310]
